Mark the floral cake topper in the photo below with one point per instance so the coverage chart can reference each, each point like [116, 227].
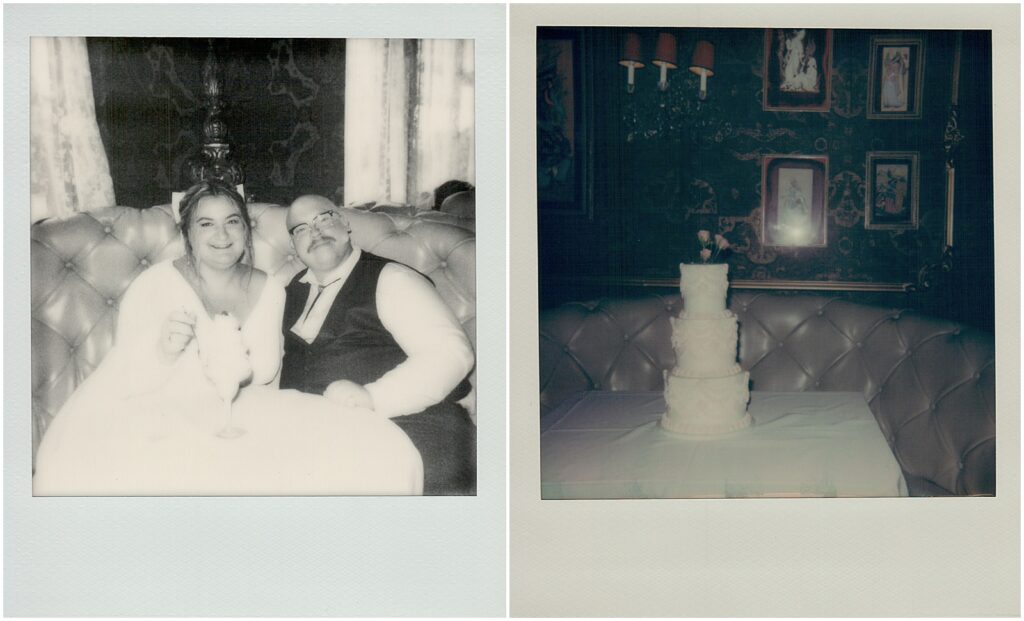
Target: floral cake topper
[712, 250]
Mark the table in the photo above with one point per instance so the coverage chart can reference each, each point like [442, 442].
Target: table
[817, 444]
[294, 444]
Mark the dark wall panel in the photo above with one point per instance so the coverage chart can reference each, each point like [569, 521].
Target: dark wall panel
[285, 113]
[666, 165]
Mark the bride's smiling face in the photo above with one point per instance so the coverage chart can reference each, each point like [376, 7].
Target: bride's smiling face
[218, 234]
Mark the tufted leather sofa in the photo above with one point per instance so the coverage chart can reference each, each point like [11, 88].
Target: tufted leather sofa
[929, 383]
[466, 222]
[81, 266]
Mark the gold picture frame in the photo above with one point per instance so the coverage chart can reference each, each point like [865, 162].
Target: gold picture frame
[895, 77]
[892, 192]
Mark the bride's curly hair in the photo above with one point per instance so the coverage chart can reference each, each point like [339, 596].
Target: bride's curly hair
[187, 209]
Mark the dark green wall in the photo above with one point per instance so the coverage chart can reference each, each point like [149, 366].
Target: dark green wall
[285, 113]
[665, 165]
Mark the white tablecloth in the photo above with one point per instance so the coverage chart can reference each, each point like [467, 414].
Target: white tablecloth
[610, 445]
[294, 444]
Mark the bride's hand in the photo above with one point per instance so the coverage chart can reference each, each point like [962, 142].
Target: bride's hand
[177, 332]
[349, 394]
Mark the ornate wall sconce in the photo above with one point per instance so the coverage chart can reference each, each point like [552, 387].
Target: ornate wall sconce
[631, 59]
[665, 56]
[214, 160]
[703, 64]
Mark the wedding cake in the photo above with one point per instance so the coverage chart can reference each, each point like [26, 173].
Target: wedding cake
[707, 391]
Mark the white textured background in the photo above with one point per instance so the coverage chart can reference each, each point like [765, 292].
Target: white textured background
[764, 557]
[293, 557]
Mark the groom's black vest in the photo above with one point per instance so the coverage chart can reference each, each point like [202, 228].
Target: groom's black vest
[353, 344]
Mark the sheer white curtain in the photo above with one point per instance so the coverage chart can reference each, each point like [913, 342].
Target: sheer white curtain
[69, 170]
[409, 117]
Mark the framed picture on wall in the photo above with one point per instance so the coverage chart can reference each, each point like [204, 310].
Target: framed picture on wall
[895, 77]
[562, 136]
[892, 199]
[797, 69]
[794, 200]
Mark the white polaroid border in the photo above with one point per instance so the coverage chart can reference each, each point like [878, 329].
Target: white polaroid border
[254, 557]
[762, 557]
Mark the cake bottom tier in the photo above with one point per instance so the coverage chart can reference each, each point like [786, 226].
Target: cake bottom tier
[708, 405]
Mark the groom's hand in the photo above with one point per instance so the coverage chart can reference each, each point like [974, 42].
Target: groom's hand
[349, 394]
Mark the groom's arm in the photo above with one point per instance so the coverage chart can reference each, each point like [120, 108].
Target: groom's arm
[439, 353]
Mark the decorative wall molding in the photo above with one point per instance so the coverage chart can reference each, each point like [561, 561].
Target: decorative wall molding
[951, 139]
[928, 275]
[789, 285]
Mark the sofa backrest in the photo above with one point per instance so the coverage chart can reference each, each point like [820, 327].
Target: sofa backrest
[82, 265]
[929, 382]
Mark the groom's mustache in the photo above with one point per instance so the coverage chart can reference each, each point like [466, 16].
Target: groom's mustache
[320, 240]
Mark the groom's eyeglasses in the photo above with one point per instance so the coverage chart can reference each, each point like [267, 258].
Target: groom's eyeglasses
[323, 221]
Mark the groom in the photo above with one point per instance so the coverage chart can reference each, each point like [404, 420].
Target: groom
[369, 332]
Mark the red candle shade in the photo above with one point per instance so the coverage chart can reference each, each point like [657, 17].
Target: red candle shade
[665, 54]
[703, 61]
[631, 51]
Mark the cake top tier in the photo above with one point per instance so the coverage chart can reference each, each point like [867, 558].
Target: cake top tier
[703, 287]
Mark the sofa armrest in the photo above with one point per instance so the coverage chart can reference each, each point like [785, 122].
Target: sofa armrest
[935, 403]
[608, 344]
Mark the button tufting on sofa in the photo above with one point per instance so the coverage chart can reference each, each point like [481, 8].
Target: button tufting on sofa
[82, 310]
[783, 351]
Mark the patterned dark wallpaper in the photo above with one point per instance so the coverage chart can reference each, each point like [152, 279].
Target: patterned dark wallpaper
[667, 165]
[285, 113]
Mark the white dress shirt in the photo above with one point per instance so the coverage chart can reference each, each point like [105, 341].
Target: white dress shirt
[439, 353]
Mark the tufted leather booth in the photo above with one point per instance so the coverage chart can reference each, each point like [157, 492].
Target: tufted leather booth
[929, 383]
[466, 222]
[81, 266]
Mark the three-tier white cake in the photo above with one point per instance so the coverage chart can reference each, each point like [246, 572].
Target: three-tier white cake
[706, 392]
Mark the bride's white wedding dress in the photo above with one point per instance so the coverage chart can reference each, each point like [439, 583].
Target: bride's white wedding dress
[138, 426]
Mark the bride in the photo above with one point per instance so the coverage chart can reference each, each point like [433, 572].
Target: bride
[191, 334]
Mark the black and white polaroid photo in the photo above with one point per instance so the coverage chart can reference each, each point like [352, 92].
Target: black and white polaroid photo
[243, 331]
[253, 266]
